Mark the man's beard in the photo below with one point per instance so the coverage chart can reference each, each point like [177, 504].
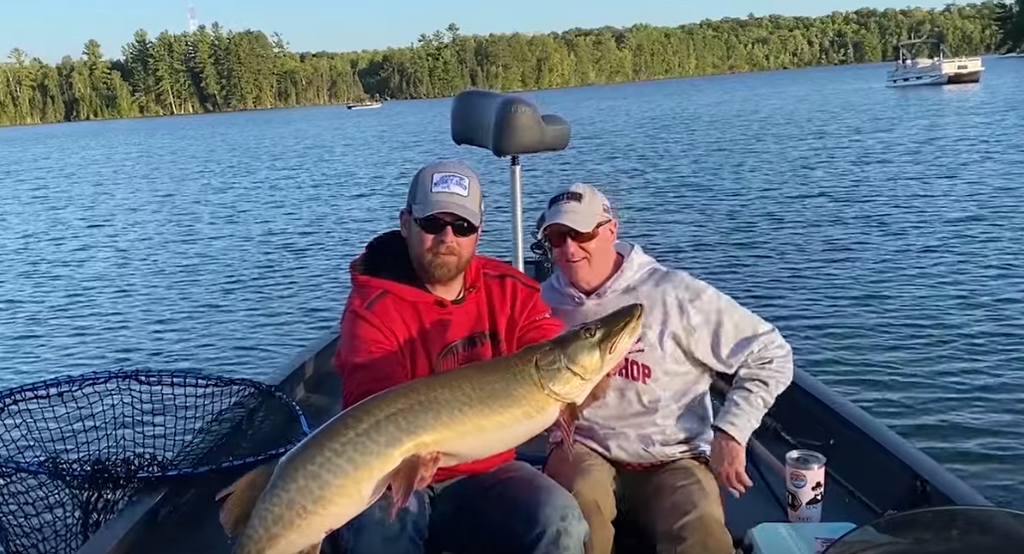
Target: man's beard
[440, 265]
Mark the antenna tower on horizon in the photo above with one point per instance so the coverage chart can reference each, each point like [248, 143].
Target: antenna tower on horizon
[193, 23]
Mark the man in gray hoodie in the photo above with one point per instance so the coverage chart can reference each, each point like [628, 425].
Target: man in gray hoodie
[652, 440]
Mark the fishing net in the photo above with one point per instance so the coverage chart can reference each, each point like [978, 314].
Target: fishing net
[74, 449]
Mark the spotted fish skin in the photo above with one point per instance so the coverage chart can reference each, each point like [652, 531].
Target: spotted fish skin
[398, 437]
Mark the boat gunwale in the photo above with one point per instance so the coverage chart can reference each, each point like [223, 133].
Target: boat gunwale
[894, 444]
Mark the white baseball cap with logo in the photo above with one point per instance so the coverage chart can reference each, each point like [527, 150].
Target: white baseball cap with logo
[580, 207]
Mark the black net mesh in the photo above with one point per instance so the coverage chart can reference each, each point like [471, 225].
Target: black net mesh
[72, 450]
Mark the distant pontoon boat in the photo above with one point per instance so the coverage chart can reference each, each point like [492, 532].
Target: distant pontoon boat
[945, 69]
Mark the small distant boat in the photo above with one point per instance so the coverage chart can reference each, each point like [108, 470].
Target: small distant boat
[945, 69]
[363, 105]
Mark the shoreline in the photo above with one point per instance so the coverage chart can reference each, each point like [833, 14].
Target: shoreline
[442, 97]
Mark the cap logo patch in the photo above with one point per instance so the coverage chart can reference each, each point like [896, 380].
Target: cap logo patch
[450, 182]
[570, 196]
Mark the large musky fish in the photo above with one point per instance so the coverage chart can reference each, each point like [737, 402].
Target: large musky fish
[400, 437]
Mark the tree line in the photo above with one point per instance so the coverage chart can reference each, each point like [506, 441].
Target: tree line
[214, 70]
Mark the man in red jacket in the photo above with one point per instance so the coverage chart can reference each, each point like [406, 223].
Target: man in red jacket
[424, 302]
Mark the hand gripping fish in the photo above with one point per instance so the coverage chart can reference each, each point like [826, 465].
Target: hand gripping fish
[399, 437]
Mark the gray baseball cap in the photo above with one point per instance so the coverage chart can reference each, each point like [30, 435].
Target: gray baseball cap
[580, 207]
[447, 186]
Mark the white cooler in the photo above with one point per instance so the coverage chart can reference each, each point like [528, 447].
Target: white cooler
[795, 538]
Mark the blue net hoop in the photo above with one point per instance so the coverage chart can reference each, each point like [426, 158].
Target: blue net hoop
[74, 449]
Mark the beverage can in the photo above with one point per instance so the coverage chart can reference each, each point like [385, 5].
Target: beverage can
[805, 485]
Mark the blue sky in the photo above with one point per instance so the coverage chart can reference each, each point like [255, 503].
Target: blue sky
[51, 28]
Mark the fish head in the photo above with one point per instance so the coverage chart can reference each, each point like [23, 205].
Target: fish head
[579, 358]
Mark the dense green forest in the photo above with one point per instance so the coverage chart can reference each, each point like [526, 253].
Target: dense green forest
[213, 69]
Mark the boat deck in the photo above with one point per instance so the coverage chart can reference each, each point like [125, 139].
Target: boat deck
[189, 522]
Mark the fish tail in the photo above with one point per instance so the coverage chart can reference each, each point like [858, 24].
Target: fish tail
[242, 496]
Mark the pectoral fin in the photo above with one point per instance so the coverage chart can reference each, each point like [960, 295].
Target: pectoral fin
[567, 419]
[413, 473]
[315, 549]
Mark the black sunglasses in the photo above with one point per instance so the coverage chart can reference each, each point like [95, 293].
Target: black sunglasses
[433, 225]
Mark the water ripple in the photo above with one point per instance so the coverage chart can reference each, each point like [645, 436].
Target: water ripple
[879, 229]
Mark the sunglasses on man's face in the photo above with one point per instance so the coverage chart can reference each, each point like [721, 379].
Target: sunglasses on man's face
[558, 238]
[433, 225]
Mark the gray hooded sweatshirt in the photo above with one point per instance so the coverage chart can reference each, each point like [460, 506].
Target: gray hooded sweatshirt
[658, 407]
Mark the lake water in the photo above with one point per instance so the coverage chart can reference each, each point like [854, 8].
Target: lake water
[880, 229]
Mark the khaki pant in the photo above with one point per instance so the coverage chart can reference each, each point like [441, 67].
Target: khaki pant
[678, 505]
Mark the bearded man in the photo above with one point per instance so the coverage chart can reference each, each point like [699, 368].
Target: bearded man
[423, 302]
